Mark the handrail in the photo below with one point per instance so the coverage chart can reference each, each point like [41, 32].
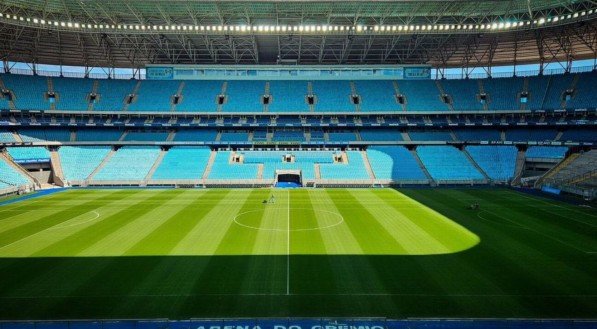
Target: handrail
[451, 76]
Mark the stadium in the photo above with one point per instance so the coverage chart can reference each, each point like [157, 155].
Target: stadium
[298, 164]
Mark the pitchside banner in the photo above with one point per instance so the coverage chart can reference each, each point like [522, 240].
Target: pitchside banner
[305, 324]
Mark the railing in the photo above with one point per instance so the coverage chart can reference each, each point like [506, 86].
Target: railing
[528, 73]
[572, 179]
[142, 76]
[52, 73]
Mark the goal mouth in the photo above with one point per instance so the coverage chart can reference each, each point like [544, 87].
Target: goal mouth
[289, 178]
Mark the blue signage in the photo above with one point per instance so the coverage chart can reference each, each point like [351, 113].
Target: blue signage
[417, 73]
[160, 73]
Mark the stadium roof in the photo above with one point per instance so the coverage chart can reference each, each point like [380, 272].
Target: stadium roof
[448, 33]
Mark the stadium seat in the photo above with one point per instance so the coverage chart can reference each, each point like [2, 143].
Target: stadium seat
[129, 163]
[446, 163]
[78, 162]
[394, 163]
[183, 162]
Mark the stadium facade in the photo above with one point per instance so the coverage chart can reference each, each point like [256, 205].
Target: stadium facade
[369, 103]
[298, 94]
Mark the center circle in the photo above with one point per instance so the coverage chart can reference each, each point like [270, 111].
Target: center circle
[334, 219]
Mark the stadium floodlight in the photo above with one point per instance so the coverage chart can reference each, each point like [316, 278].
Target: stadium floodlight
[541, 21]
[35, 20]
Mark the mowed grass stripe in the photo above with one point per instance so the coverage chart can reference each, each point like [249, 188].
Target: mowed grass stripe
[161, 279]
[243, 240]
[462, 275]
[25, 211]
[205, 236]
[566, 232]
[164, 238]
[36, 242]
[305, 232]
[129, 234]
[450, 236]
[230, 274]
[267, 274]
[45, 222]
[338, 239]
[346, 273]
[372, 237]
[403, 229]
[550, 203]
[148, 201]
[580, 233]
[12, 216]
[520, 250]
[270, 224]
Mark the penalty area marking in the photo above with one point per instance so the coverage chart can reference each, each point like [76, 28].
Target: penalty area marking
[337, 215]
[54, 228]
[59, 226]
[517, 225]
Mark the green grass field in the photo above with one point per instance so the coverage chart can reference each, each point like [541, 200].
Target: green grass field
[314, 252]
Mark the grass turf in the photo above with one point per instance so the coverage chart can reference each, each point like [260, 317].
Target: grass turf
[334, 252]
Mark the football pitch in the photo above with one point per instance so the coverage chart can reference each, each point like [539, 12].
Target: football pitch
[157, 253]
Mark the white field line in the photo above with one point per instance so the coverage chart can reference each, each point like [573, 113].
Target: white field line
[339, 222]
[306, 294]
[57, 226]
[540, 199]
[288, 251]
[532, 230]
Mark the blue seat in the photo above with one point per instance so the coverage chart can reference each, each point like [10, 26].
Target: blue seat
[498, 162]
[446, 163]
[394, 163]
[78, 162]
[183, 162]
[129, 163]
